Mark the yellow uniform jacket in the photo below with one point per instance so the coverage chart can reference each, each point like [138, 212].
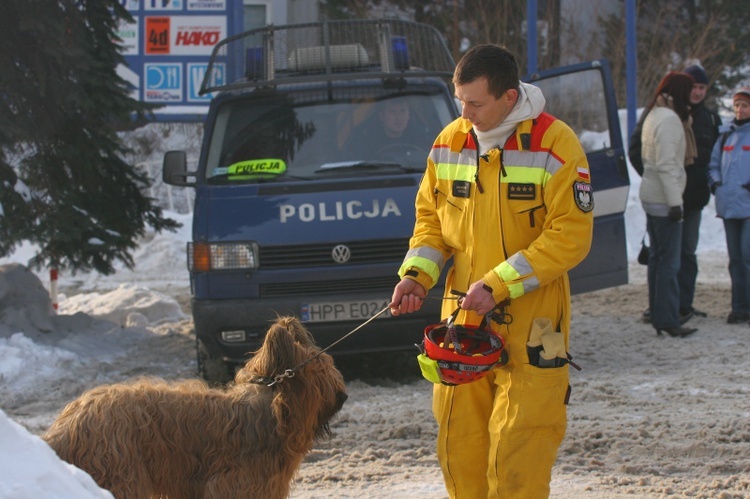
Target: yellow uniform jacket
[518, 217]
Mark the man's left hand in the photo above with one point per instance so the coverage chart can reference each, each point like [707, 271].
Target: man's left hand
[478, 299]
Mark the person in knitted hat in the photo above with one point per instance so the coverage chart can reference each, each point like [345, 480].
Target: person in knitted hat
[698, 74]
[743, 94]
[729, 180]
[705, 126]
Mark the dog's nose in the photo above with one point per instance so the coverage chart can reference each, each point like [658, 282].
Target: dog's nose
[341, 398]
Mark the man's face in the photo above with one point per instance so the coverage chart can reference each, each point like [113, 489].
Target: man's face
[481, 108]
[698, 93]
[395, 117]
[741, 109]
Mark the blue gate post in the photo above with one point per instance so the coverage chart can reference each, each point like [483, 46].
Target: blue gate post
[631, 50]
[531, 36]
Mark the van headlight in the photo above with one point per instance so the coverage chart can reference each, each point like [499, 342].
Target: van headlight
[203, 257]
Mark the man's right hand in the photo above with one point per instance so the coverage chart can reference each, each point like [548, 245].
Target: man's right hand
[675, 213]
[408, 296]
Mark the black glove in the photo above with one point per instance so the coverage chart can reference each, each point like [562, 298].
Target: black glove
[675, 213]
[715, 186]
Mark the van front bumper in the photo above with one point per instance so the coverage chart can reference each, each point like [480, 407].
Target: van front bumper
[233, 329]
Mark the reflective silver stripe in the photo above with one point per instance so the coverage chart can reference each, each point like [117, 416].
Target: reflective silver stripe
[443, 155]
[520, 264]
[427, 253]
[525, 270]
[542, 159]
[517, 268]
[530, 284]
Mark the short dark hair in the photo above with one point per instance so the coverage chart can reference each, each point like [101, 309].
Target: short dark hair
[678, 86]
[494, 62]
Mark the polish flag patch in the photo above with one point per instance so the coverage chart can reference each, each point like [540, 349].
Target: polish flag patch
[583, 173]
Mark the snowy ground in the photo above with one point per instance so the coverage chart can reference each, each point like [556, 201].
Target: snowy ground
[649, 416]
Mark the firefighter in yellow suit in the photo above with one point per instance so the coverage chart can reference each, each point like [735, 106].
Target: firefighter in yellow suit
[507, 195]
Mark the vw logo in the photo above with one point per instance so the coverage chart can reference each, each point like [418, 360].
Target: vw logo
[341, 254]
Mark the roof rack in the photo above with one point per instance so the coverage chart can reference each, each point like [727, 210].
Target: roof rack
[328, 50]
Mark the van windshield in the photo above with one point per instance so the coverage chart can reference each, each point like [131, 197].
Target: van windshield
[311, 135]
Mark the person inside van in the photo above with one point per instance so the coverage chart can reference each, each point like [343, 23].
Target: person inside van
[394, 116]
[389, 133]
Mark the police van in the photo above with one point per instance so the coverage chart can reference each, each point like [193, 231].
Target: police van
[305, 185]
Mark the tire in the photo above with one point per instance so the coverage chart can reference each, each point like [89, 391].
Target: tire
[210, 368]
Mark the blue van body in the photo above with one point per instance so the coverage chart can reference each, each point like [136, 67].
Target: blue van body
[295, 216]
[583, 96]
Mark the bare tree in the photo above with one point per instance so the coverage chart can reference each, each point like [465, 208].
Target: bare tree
[672, 35]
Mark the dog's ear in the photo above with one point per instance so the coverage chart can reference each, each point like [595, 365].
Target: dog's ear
[298, 331]
[278, 351]
[286, 344]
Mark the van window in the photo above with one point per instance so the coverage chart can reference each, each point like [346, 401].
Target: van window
[578, 99]
[315, 136]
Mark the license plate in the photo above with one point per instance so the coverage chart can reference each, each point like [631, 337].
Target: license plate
[342, 311]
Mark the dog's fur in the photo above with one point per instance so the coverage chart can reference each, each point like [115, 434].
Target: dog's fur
[153, 438]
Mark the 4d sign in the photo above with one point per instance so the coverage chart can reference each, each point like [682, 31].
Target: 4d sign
[183, 35]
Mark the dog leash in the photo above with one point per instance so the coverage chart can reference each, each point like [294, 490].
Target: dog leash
[289, 373]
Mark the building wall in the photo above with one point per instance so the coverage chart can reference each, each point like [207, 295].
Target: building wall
[301, 11]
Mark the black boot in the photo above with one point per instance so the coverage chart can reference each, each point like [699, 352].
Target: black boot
[737, 317]
[677, 332]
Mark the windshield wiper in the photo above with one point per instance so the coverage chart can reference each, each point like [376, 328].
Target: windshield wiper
[366, 166]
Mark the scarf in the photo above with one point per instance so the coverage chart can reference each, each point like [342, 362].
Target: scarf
[529, 105]
[691, 149]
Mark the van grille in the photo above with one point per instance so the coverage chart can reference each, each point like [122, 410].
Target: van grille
[315, 288]
[321, 255]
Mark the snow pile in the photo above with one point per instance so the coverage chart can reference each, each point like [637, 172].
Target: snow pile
[29, 469]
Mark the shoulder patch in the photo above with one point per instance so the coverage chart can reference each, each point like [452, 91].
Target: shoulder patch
[583, 194]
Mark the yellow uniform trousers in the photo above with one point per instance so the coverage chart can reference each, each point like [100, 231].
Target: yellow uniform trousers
[525, 408]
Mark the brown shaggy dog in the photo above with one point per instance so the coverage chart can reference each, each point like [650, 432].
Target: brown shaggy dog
[153, 438]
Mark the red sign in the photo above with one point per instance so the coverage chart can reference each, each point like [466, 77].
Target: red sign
[207, 38]
[157, 35]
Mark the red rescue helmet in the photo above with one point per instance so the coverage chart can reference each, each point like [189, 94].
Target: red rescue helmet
[462, 353]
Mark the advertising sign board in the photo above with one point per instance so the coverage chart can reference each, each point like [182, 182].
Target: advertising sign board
[167, 48]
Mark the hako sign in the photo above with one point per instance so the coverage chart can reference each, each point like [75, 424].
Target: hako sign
[183, 35]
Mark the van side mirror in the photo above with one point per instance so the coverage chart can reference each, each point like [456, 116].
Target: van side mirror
[174, 170]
